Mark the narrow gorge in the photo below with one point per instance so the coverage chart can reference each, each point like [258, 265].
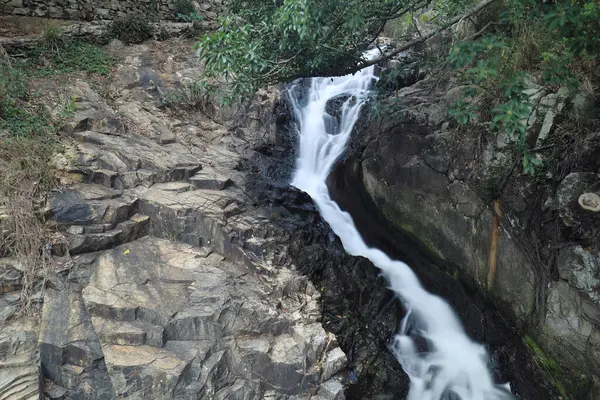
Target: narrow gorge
[305, 244]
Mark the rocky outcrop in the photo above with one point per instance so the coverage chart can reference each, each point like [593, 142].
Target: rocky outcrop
[170, 318]
[176, 285]
[423, 179]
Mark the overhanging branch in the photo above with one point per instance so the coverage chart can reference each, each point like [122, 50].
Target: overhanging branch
[421, 39]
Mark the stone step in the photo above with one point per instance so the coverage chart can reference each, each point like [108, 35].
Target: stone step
[145, 371]
[128, 333]
[79, 207]
[124, 232]
[210, 179]
[104, 177]
[177, 187]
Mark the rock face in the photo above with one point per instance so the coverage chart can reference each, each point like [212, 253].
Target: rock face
[419, 179]
[20, 373]
[178, 284]
[160, 318]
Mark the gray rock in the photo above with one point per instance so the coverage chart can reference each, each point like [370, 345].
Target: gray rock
[571, 328]
[149, 297]
[568, 192]
[20, 372]
[332, 389]
[70, 352]
[210, 179]
[334, 362]
[581, 269]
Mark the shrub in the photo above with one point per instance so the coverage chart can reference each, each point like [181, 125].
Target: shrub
[184, 7]
[541, 42]
[131, 29]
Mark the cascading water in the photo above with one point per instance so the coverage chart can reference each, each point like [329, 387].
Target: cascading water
[453, 366]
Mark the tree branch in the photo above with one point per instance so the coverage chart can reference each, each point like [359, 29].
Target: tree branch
[420, 40]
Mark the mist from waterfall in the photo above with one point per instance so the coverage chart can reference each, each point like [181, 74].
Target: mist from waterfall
[453, 367]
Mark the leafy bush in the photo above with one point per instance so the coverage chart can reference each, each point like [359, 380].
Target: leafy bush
[533, 41]
[260, 43]
[131, 29]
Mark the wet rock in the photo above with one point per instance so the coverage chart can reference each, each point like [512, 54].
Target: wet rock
[334, 105]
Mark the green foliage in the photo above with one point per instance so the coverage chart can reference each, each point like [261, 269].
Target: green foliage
[534, 41]
[16, 118]
[193, 17]
[462, 112]
[550, 367]
[398, 27]
[52, 37]
[21, 122]
[443, 10]
[190, 96]
[65, 58]
[265, 42]
[68, 109]
[186, 12]
[184, 7]
[13, 85]
[131, 29]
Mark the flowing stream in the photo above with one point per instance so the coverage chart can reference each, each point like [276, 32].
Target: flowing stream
[453, 366]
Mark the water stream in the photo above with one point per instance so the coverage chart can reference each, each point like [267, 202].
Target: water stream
[452, 366]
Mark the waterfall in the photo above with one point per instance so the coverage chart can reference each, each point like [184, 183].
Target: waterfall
[453, 367]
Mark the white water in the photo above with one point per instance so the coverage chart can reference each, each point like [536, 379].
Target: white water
[453, 366]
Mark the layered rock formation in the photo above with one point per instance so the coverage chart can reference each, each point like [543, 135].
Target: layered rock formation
[167, 289]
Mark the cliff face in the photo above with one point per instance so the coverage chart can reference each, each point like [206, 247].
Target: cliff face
[430, 181]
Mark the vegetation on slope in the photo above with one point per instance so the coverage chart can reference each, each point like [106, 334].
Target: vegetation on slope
[29, 136]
